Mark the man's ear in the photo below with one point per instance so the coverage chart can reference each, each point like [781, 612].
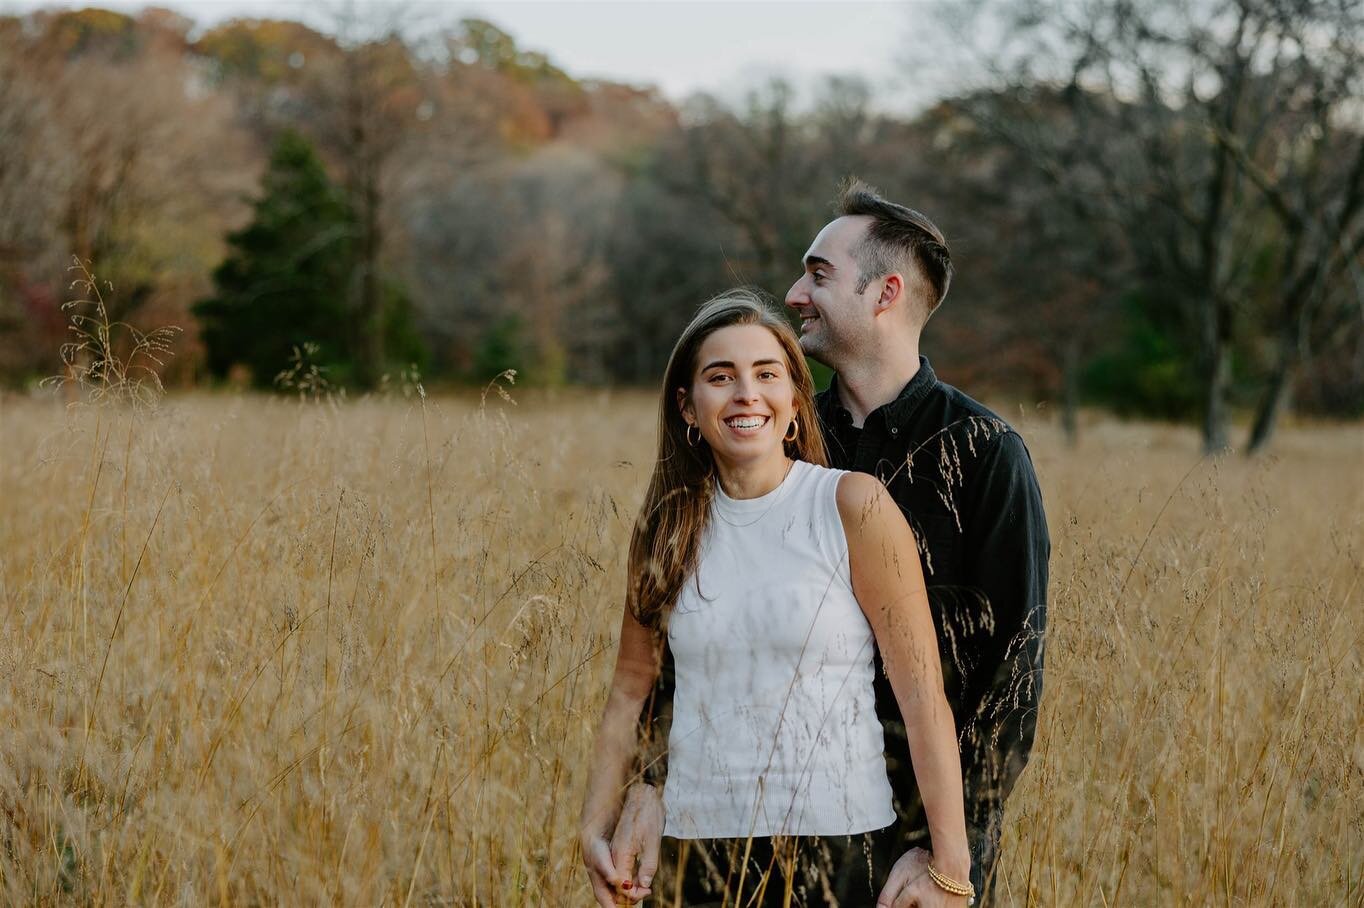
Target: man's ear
[891, 290]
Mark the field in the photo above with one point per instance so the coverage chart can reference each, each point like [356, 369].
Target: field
[262, 651]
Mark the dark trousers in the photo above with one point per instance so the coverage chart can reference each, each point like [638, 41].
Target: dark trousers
[799, 871]
[818, 871]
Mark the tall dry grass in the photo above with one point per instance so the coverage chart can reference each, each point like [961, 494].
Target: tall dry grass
[262, 651]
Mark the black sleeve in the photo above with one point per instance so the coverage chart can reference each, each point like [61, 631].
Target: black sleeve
[1008, 548]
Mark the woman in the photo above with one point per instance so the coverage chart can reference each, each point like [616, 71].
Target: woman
[771, 577]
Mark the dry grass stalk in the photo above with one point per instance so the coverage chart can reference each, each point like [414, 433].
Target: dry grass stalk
[354, 652]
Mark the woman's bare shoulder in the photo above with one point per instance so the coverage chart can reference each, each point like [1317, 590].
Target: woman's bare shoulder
[860, 496]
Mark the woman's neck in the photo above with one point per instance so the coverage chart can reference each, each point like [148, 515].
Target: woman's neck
[752, 479]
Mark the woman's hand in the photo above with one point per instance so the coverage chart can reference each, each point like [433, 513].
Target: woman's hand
[611, 864]
[910, 886]
[601, 870]
[613, 750]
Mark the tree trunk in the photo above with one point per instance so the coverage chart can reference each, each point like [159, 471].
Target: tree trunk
[371, 293]
[1276, 394]
[1070, 390]
[1217, 350]
[363, 152]
[1271, 405]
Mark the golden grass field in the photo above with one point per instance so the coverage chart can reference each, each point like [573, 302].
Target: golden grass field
[265, 651]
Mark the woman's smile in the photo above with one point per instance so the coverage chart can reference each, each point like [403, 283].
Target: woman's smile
[746, 425]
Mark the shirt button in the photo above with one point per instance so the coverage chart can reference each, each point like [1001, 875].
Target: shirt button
[894, 430]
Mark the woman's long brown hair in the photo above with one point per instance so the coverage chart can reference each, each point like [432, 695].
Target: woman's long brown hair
[667, 535]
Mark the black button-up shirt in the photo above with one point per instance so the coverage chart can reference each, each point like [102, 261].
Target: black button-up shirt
[965, 483]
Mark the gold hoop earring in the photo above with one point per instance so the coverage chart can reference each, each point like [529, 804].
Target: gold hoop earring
[794, 430]
[698, 435]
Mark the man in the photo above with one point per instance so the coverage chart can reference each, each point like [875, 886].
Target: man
[964, 479]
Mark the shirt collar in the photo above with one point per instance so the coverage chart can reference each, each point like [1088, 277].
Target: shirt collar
[897, 411]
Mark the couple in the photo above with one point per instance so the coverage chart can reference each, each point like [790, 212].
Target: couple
[827, 681]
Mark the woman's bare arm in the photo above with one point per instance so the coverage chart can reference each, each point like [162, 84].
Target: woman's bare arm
[613, 750]
[889, 586]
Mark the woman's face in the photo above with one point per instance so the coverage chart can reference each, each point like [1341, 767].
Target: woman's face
[742, 397]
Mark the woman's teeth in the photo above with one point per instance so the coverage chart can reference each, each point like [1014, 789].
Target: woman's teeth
[746, 422]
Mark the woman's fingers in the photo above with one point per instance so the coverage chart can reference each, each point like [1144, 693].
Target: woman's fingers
[601, 871]
[602, 891]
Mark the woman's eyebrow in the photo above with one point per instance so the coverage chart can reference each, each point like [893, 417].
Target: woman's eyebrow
[726, 364]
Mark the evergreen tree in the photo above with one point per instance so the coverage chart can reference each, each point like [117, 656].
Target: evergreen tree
[288, 276]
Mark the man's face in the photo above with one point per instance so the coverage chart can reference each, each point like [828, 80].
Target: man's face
[836, 322]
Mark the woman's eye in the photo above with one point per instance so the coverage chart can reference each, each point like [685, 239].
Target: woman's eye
[767, 373]
[718, 377]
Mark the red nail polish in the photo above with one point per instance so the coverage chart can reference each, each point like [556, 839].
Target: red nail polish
[626, 885]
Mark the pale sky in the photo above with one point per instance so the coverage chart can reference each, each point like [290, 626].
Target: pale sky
[681, 46]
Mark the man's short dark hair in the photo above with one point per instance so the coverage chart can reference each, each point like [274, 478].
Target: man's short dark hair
[897, 237]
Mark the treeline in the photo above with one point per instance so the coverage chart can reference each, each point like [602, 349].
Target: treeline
[1155, 207]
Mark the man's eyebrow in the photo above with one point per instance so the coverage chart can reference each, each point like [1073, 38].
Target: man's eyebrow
[814, 261]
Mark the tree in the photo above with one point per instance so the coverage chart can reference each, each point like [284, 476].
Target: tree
[1310, 171]
[112, 153]
[289, 274]
[356, 94]
[1036, 279]
[1143, 114]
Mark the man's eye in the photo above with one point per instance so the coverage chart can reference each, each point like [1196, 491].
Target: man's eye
[818, 275]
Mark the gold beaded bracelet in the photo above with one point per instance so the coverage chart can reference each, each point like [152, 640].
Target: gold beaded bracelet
[947, 884]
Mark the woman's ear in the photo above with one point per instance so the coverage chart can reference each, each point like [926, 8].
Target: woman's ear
[683, 406]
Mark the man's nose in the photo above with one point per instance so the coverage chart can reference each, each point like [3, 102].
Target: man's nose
[797, 295]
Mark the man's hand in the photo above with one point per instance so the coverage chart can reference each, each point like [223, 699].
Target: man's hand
[910, 886]
[638, 833]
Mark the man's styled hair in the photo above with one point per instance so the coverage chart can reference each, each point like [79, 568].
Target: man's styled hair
[896, 238]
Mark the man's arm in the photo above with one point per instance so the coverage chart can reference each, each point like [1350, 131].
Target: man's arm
[1008, 549]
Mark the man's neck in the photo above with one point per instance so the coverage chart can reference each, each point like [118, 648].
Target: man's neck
[869, 383]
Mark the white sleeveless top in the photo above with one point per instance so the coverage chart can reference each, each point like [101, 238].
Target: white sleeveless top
[774, 728]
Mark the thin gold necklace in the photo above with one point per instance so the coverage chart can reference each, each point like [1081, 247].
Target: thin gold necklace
[721, 514]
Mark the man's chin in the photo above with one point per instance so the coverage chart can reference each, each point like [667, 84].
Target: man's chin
[813, 349]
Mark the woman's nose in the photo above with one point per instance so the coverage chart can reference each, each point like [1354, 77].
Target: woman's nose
[743, 390]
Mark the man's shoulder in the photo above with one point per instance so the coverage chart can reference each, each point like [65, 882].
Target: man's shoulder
[977, 439]
[966, 419]
[957, 404]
